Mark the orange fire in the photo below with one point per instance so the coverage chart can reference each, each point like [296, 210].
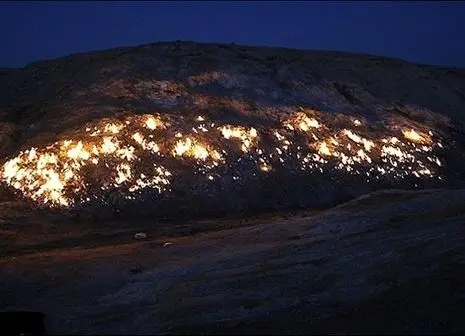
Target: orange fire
[51, 174]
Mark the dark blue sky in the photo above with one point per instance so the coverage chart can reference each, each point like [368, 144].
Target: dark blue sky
[425, 32]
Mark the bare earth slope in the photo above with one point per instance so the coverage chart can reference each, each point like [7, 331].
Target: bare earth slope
[391, 262]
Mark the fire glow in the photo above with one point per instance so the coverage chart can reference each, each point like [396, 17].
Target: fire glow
[55, 174]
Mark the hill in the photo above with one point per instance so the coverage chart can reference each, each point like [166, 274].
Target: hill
[191, 129]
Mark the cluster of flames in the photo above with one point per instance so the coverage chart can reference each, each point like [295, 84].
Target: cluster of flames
[55, 174]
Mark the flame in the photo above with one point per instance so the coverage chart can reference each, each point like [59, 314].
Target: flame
[368, 144]
[109, 145]
[182, 147]
[302, 121]
[247, 136]
[124, 173]
[200, 152]
[153, 123]
[112, 128]
[190, 148]
[263, 165]
[413, 136]
[324, 149]
[78, 152]
[139, 139]
[265, 168]
[54, 174]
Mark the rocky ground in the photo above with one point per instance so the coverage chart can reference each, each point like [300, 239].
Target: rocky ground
[390, 262]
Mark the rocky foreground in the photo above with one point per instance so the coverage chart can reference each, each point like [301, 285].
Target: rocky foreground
[390, 262]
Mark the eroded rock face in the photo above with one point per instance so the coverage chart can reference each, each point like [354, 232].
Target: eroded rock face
[180, 129]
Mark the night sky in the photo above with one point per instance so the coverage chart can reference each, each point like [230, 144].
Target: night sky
[424, 32]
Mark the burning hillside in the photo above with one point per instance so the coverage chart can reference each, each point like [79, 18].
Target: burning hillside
[277, 156]
[132, 155]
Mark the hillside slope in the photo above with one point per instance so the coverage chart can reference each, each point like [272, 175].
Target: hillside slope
[185, 129]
